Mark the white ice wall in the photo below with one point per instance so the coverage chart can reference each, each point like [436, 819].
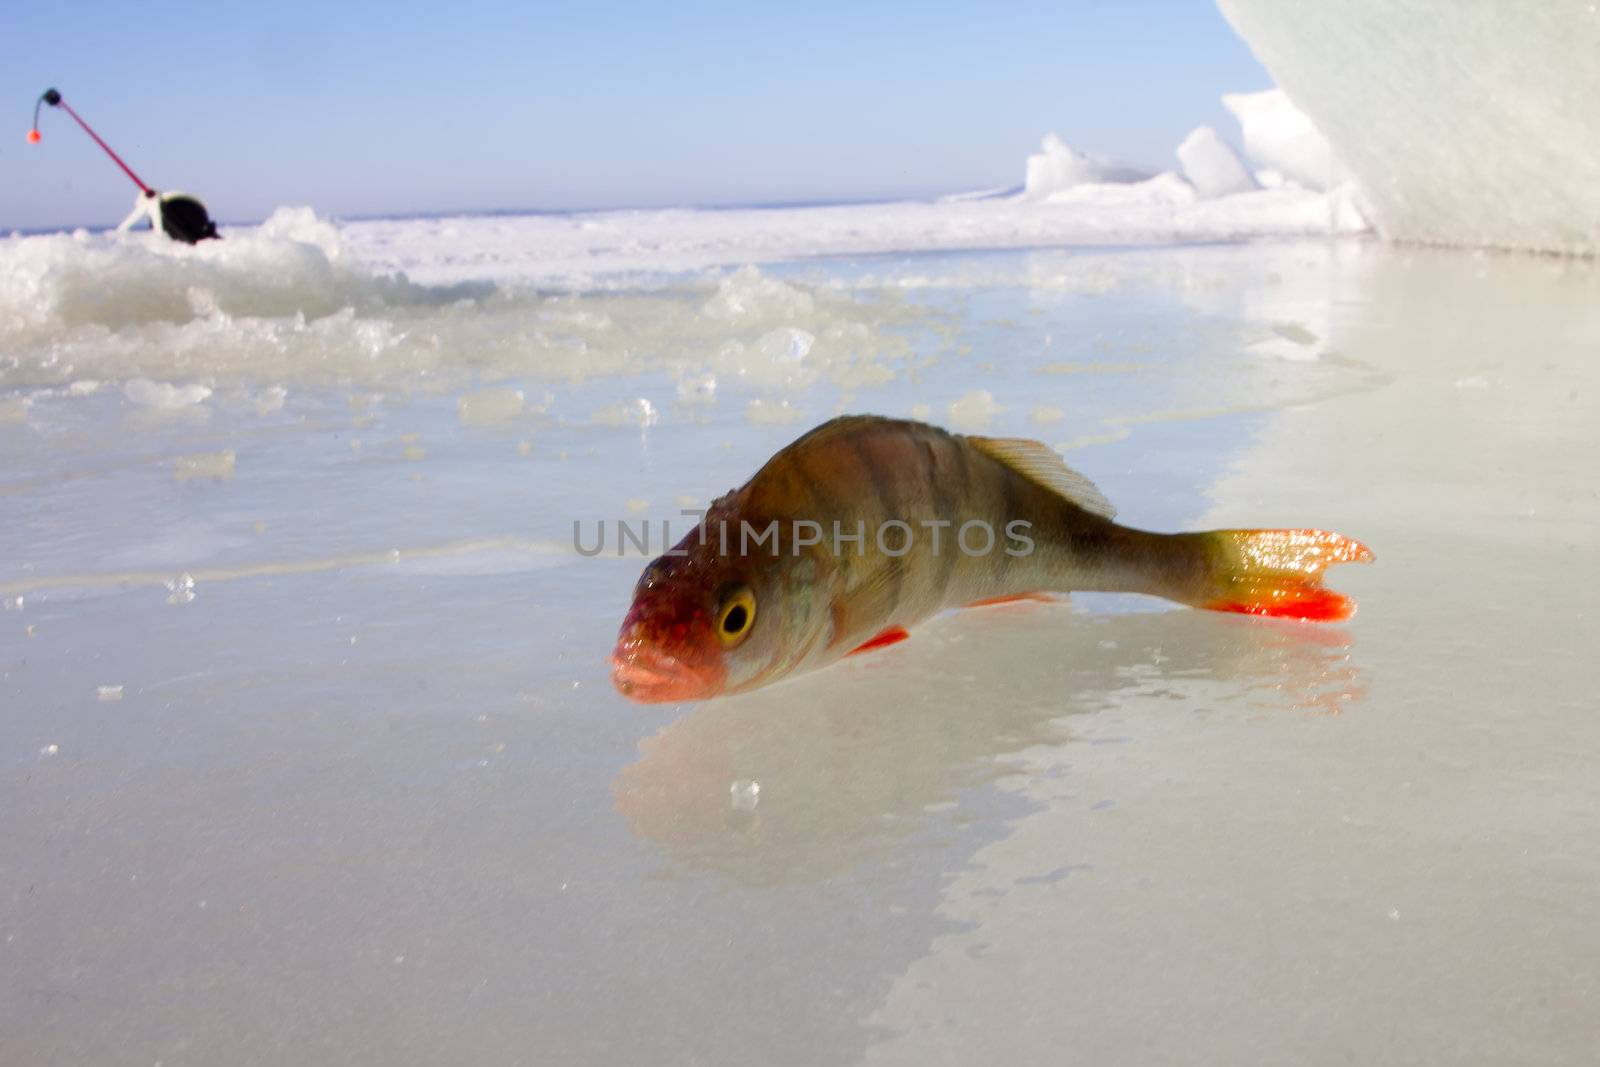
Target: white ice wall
[1468, 122]
[1279, 136]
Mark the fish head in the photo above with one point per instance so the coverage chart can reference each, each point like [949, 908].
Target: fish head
[702, 624]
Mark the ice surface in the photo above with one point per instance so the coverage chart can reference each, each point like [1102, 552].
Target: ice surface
[1467, 124]
[580, 250]
[1212, 166]
[383, 730]
[1058, 166]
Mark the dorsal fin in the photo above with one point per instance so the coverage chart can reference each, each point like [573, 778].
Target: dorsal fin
[1041, 465]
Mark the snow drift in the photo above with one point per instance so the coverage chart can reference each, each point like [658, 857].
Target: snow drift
[1058, 166]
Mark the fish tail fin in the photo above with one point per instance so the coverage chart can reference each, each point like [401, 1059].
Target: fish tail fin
[1276, 573]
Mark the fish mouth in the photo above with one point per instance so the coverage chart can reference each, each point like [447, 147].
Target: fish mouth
[650, 676]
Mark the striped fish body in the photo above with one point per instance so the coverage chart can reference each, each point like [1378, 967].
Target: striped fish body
[942, 524]
[866, 526]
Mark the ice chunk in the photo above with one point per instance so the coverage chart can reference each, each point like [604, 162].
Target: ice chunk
[14, 409]
[785, 345]
[164, 396]
[109, 692]
[698, 389]
[1058, 166]
[490, 406]
[748, 294]
[1279, 136]
[638, 412]
[974, 410]
[1212, 166]
[215, 465]
[1466, 124]
[300, 225]
[270, 399]
[180, 590]
[744, 794]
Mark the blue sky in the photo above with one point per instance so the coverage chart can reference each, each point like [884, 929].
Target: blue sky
[360, 108]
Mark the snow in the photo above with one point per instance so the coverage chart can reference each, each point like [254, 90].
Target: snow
[1212, 166]
[1466, 124]
[1243, 808]
[1165, 191]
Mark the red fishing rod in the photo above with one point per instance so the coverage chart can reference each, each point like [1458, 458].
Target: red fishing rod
[53, 98]
[180, 216]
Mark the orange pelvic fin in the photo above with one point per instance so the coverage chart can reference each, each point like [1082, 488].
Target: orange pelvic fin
[988, 601]
[892, 636]
[1279, 573]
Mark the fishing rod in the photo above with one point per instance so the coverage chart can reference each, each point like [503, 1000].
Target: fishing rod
[53, 98]
[178, 215]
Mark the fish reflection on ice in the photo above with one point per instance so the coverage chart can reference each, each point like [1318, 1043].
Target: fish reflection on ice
[851, 762]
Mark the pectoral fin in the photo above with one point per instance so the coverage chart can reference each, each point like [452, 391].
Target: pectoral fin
[892, 636]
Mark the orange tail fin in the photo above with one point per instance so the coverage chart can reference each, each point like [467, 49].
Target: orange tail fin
[1279, 573]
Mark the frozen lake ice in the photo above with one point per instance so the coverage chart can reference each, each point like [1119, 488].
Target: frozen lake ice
[308, 751]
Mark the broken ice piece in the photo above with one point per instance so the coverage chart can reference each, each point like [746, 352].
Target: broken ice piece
[216, 465]
[744, 794]
[180, 590]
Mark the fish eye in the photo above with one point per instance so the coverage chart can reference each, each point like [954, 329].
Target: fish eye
[737, 614]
